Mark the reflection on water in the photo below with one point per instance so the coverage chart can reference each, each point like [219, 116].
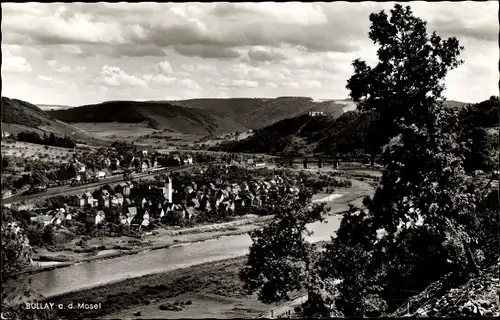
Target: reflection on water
[98, 272]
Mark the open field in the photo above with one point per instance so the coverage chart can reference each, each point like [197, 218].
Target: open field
[115, 129]
[138, 133]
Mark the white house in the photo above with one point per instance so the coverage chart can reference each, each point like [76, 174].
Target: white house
[79, 201]
[5, 134]
[100, 175]
[96, 217]
[89, 199]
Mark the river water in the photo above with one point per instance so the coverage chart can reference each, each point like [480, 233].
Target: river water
[99, 272]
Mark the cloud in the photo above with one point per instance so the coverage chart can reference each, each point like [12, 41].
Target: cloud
[189, 84]
[112, 76]
[160, 79]
[206, 51]
[219, 30]
[192, 30]
[238, 83]
[200, 67]
[81, 69]
[15, 64]
[265, 55]
[55, 81]
[45, 78]
[480, 31]
[64, 69]
[165, 67]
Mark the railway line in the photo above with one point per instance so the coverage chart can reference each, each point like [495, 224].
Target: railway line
[68, 189]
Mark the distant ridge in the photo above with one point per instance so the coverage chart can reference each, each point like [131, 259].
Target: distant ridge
[205, 115]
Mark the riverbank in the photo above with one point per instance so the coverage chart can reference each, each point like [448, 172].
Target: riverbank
[211, 289]
[213, 278]
[161, 239]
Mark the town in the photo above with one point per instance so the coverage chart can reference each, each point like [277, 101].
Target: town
[243, 160]
[143, 195]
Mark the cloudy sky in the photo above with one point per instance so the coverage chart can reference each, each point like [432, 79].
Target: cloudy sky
[74, 54]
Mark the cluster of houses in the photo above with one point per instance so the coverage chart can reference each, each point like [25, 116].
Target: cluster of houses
[115, 165]
[164, 203]
[221, 197]
[103, 199]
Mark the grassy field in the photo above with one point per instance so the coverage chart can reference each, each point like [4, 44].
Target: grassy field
[138, 133]
[115, 129]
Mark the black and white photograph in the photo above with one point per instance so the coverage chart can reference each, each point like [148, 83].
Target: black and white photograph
[250, 160]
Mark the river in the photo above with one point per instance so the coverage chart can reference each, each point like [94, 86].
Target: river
[98, 272]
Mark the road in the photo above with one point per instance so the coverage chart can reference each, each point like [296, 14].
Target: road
[66, 189]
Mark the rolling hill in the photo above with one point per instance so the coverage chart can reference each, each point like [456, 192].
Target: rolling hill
[193, 116]
[18, 115]
[202, 116]
[347, 134]
[307, 135]
[255, 113]
[157, 115]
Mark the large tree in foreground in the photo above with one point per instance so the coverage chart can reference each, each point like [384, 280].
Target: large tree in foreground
[422, 222]
[407, 82]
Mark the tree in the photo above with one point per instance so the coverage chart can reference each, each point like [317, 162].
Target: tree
[424, 196]
[16, 257]
[281, 259]
[407, 81]
[422, 221]
[479, 150]
[16, 251]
